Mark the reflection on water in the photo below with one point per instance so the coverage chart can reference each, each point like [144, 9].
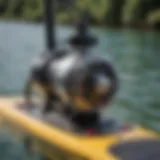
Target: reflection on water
[10, 150]
[135, 54]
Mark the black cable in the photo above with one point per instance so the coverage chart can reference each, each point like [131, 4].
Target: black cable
[49, 18]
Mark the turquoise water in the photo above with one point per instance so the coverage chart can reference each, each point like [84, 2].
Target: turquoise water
[10, 150]
[135, 55]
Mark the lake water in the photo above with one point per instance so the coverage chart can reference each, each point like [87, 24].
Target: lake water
[135, 55]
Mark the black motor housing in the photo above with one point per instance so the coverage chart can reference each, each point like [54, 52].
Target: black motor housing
[71, 76]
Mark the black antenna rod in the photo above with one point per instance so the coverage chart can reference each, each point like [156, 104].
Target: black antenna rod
[49, 17]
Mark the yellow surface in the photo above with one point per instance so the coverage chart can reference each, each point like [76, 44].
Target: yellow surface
[92, 148]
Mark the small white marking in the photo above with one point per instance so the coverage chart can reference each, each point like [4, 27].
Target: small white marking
[63, 66]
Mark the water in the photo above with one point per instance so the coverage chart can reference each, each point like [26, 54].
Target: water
[135, 55]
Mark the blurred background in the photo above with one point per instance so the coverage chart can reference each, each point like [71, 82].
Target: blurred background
[129, 36]
[114, 13]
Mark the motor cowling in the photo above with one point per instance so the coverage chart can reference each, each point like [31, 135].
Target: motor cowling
[86, 81]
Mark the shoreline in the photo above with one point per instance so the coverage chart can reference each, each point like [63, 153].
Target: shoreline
[145, 27]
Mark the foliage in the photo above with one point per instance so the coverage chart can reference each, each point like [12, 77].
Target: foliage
[154, 17]
[135, 11]
[113, 16]
[109, 12]
[130, 11]
[33, 10]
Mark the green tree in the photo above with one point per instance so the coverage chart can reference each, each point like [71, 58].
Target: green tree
[110, 12]
[131, 11]
[113, 16]
[33, 10]
[3, 6]
[136, 11]
[97, 9]
[154, 18]
[14, 8]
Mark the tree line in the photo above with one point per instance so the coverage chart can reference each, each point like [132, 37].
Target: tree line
[137, 13]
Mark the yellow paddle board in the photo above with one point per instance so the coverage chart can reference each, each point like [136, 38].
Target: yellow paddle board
[57, 144]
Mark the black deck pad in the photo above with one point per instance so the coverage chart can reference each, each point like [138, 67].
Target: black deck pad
[146, 149]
